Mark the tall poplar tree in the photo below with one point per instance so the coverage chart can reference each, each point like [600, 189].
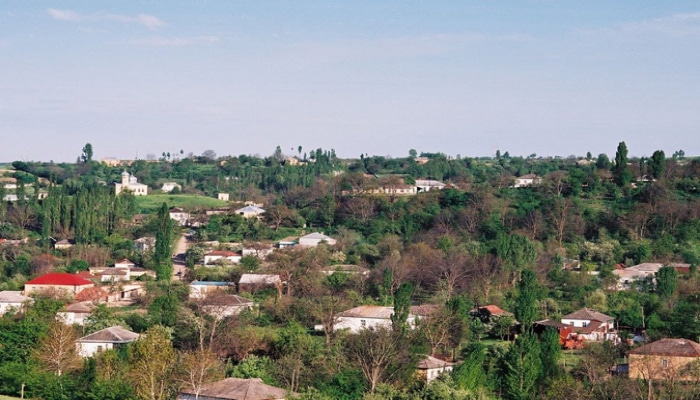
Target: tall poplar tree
[162, 257]
[526, 300]
[402, 307]
[621, 171]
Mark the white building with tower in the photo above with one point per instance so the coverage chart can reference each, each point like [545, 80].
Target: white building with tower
[130, 183]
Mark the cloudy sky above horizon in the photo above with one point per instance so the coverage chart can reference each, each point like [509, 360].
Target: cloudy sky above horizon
[364, 76]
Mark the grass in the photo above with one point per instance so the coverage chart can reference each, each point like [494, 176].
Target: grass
[151, 203]
[3, 397]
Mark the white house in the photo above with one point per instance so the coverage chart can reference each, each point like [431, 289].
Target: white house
[170, 186]
[130, 183]
[213, 256]
[432, 367]
[314, 239]
[364, 317]
[630, 277]
[200, 289]
[12, 300]
[426, 185]
[179, 215]
[76, 313]
[109, 338]
[591, 325]
[222, 305]
[145, 243]
[250, 211]
[527, 180]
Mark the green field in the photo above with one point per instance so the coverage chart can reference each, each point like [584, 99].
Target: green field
[151, 203]
[2, 397]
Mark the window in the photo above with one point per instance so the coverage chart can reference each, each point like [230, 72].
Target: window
[585, 324]
[363, 323]
[664, 363]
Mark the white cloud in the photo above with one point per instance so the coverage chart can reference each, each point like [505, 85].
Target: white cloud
[64, 15]
[147, 21]
[158, 41]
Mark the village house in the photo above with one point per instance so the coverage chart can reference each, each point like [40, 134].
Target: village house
[632, 277]
[429, 368]
[179, 215]
[591, 325]
[221, 305]
[364, 317]
[250, 211]
[76, 313]
[200, 289]
[212, 257]
[426, 185]
[59, 283]
[63, 244]
[145, 243]
[287, 242]
[170, 186]
[130, 183]
[314, 239]
[527, 180]
[12, 300]
[113, 337]
[663, 360]
[235, 389]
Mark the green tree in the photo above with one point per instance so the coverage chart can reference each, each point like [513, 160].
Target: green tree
[162, 256]
[666, 281]
[522, 368]
[402, 307]
[86, 157]
[656, 164]
[152, 361]
[525, 309]
[621, 171]
[550, 354]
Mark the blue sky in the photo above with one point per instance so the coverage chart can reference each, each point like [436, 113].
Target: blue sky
[378, 77]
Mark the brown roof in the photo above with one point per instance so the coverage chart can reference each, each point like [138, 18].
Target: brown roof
[588, 315]
[379, 312]
[81, 307]
[492, 309]
[432, 363]
[91, 294]
[239, 389]
[669, 347]
[113, 334]
[424, 309]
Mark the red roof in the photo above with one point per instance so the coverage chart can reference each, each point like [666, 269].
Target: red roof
[59, 279]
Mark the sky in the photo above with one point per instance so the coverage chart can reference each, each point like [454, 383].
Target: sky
[467, 77]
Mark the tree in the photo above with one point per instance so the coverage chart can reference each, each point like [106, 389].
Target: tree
[621, 171]
[522, 368]
[57, 351]
[550, 354]
[525, 309]
[86, 157]
[373, 350]
[162, 257]
[666, 281]
[402, 307]
[152, 360]
[656, 164]
[197, 368]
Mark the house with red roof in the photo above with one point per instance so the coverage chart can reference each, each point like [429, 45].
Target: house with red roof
[57, 282]
[231, 256]
[591, 325]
